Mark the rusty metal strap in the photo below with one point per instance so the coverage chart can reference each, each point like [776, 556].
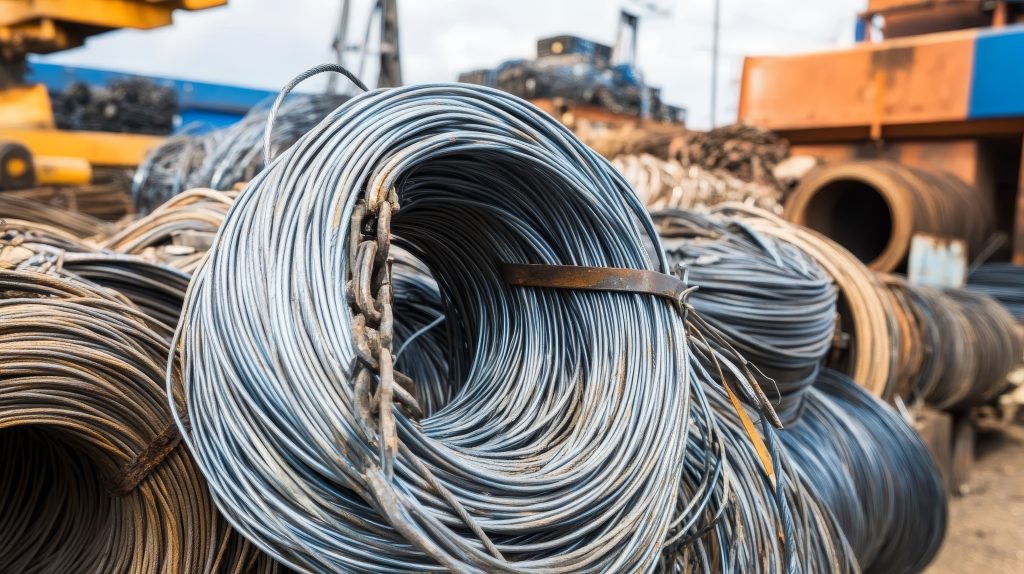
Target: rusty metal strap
[630, 281]
[139, 467]
[596, 279]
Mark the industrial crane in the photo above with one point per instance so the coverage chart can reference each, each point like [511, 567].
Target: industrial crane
[32, 150]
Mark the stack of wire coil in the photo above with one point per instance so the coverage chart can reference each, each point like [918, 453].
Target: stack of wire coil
[538, 457]
[968, 344]
[845, 451]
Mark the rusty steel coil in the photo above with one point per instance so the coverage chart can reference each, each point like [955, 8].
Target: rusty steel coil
[91, 480]
[79, 225]
[873, 209]
[179, 232]
[867, 344]
[967, 344]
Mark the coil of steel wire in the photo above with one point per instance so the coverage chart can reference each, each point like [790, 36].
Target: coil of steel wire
[156, 289]
[868, 348]
[179, 232]
[538, 461]
[82, 403]
[969, 344]
[79, 225]
[1004, 282]
[873, 209]
[774, 303]
[224, 158]
[874, 473]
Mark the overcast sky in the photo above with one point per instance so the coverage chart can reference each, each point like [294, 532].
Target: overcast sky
[263, 43]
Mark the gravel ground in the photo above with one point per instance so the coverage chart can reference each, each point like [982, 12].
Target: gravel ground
[986, 530]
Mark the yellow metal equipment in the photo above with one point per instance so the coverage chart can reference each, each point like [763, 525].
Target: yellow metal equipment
[26, 116]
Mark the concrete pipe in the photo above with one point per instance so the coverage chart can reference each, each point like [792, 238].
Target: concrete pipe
[873, 209]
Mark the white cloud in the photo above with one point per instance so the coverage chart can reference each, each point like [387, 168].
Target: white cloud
[263, 43]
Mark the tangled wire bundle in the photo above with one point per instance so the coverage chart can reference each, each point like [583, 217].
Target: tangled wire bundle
[82, 404]
[773, 302]
[542, 457]
[873, 472]
[670, 184]
[223, 158]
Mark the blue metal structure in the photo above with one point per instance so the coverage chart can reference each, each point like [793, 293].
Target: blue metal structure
[202, 105]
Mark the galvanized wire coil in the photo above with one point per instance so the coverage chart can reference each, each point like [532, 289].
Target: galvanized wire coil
[873, 209]
[542, 457]
[873, 472]
[81, 396]
[775, 305]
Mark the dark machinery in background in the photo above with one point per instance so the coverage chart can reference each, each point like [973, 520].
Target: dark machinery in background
[582, 72]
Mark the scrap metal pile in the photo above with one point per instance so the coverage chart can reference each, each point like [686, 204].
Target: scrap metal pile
[424, 337]
[734, 163]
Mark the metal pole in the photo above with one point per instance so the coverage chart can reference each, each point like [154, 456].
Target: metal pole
[714, 62]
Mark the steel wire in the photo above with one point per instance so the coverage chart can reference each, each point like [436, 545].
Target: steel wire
[226, 157]
[874, 473]
[867, 347]
[968, 343]
[1004, 281]
[537, 461]
[81, 395]
[774, 303]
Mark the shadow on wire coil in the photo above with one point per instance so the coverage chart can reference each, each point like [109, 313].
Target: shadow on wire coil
[967, 343]
[92, 480]
[562, 430]
[873, 209]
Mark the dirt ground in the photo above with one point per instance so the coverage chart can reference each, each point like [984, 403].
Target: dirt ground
[986, 528]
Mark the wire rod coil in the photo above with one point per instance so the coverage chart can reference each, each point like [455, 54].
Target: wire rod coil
[867, 347]
[873, 209]
[774, 303]
[81, 396]
[873, 472]
[541, 459]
